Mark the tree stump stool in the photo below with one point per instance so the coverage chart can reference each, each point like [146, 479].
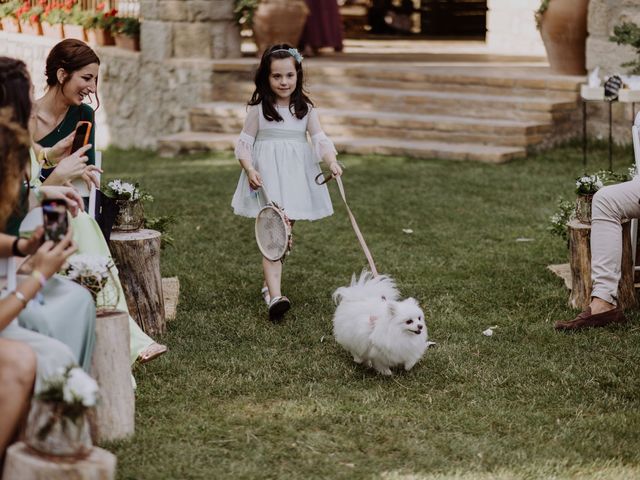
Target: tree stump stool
[114, 416]
[137, 256]
[22, 463]
[580, 263]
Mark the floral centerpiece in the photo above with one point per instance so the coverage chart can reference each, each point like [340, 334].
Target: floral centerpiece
[129, 198]
[586, 187]
[57, 423]
[93, 272]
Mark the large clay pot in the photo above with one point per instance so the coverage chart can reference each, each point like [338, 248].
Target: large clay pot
[279, 21]
[563, 27]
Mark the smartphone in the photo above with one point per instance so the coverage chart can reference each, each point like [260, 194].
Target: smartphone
[54, 219]
[81, 138]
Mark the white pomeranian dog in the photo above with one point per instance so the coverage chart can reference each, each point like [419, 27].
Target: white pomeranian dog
[377, 328]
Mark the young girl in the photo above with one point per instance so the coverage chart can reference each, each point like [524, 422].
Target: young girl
[274, 152]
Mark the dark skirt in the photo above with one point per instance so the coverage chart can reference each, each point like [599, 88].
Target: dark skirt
[324, 25]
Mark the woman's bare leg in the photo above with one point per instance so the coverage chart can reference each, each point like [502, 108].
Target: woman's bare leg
[17, 375]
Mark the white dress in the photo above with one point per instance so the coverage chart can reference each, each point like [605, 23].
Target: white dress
[287, 163]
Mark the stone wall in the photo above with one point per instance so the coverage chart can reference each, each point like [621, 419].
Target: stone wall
[511, 27]
[146, 95]
[603, 16]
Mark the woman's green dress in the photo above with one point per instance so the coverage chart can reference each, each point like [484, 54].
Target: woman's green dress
[75, 114]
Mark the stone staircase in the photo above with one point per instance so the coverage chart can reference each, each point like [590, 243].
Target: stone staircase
[473, 112]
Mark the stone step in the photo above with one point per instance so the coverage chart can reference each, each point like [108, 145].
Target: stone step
[497, 79]
[226, 117]
[185, 142]
[476, 105]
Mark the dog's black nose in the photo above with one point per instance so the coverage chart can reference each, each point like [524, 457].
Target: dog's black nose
[419, 327]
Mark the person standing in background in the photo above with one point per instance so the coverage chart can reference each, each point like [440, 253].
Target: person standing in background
[323, 27]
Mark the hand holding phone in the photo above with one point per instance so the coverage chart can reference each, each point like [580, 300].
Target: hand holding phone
[81, 138]
[54, 219]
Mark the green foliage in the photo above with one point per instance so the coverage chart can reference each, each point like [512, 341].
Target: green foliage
[8, 9]
[628, 33]
[128, 26]
[162, 224]
[244, 10]
[55, 16]
[563, 215]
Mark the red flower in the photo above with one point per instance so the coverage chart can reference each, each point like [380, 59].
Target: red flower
[100, 7]
[33, 19]
[113, 12]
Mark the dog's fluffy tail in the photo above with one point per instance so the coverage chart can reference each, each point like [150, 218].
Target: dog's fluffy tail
[366, 287]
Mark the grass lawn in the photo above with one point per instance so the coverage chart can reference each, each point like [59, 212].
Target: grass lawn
[239, 397]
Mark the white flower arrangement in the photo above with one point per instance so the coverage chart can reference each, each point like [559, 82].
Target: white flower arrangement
[119, 190]
[71, 392]
[90, 271]
[588, 184]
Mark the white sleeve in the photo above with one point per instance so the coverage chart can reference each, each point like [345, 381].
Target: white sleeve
[322, 145]
[244, 144]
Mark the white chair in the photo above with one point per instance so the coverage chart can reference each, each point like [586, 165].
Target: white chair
[82, 189]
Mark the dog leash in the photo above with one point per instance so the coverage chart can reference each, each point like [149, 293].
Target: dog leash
[352, 218]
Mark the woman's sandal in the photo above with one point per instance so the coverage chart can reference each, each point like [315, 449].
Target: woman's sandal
[265, 295]
[278, 307]
[151, 352]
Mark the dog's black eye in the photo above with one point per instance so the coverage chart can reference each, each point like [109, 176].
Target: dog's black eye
[409, 322]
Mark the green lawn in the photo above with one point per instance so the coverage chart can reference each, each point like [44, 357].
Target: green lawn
[240, 397]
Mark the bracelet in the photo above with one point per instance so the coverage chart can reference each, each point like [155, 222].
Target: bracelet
[15, 251]
[38, 275]
[20, 296]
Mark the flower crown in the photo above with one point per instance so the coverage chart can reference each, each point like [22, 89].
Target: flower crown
[291, 51]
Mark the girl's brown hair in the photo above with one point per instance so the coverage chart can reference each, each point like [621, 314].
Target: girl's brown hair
[71, 55]
[14, 157]
[299, 101]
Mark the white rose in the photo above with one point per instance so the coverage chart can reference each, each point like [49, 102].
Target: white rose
[80, 387]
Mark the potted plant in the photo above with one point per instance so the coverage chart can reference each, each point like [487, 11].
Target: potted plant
[272, 21]
[8, 17]
[98, 26]
[563, 27]
[57, 423]
[126, 31]
[53, 20]
[73, 27]
[586, 187]
[30, 18]
[129, 199]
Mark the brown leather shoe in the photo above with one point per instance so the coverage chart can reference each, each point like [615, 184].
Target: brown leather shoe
[586, 320]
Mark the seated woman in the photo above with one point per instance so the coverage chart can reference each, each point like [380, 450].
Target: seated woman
[22, 352]
[72, 74]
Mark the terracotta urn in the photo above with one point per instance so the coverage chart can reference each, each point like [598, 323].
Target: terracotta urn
[563, 27]
[279, 21]
[31, 28]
